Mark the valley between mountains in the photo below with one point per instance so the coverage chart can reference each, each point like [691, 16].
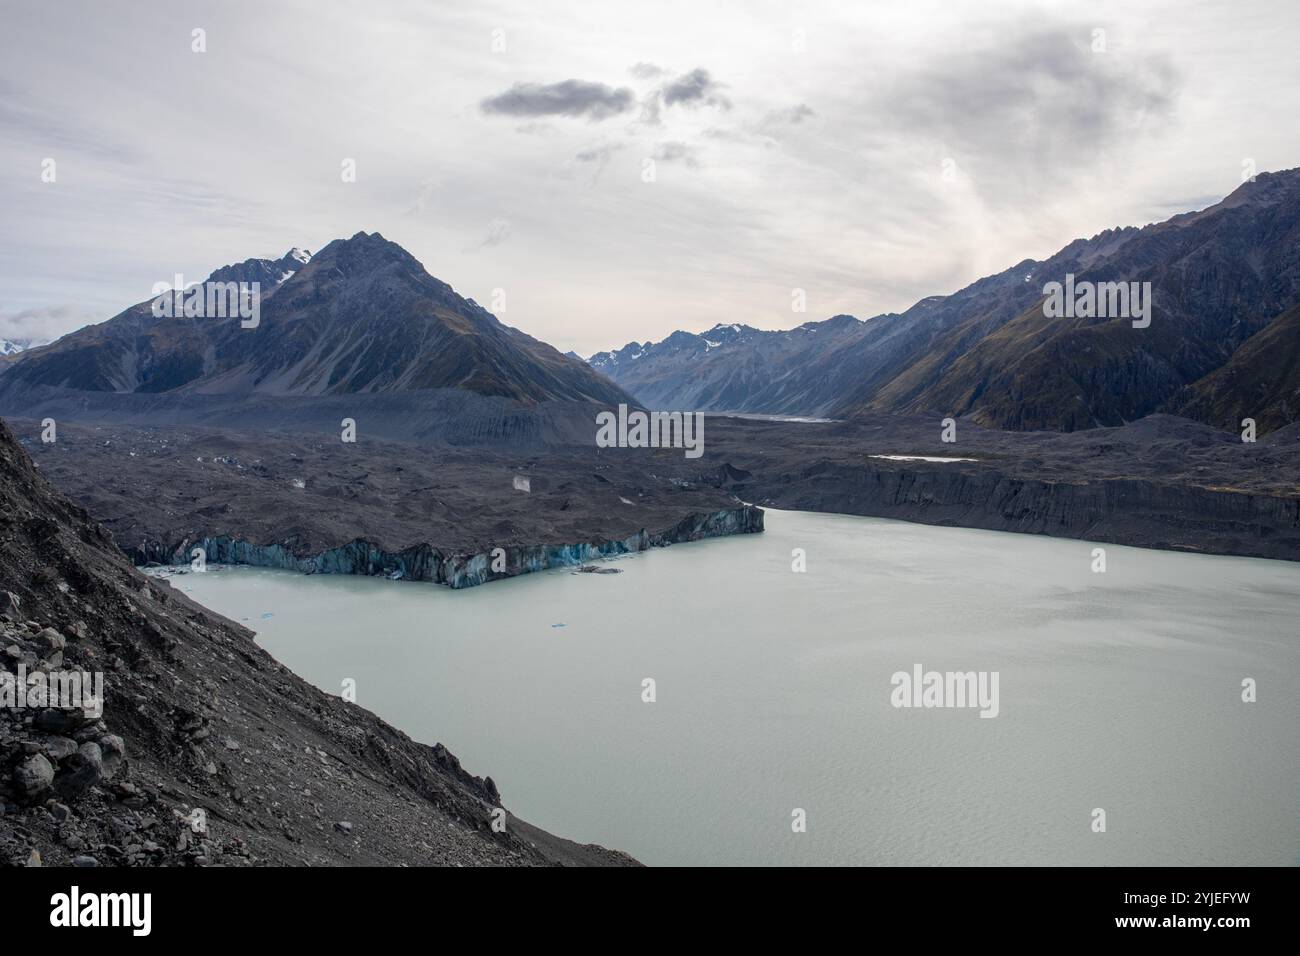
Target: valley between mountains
[1221, 345]
[375, 422]
[188, 432]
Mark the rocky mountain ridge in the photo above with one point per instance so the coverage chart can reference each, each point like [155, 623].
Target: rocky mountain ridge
[1218, 277]
[360, 317]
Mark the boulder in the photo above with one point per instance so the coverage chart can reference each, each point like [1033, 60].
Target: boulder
[59, 749]
[64, 722]
[80, 772]
[50, 641]
[114, 749]
[9, 606]
[34, 776]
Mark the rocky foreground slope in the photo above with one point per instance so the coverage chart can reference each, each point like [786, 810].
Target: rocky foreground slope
[207, 750]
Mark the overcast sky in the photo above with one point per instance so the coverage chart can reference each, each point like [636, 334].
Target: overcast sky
[868, 153]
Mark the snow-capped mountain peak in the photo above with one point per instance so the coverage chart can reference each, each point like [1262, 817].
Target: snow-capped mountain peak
[12, 347]
[268, 272]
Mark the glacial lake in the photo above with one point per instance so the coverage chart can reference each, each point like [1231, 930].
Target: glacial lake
[1119, 690]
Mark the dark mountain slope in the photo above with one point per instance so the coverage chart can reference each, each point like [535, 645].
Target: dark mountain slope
[137, 352]
[1218, 277]
[1260, 381]
[363, 316]
[735, 368]
[196, 716]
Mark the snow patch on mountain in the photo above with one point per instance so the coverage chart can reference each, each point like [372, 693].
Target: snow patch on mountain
[13, 347]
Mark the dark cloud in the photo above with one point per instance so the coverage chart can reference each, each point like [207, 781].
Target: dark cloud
[646, 71]
[694, 89]
[596, 101]
[1038, 103]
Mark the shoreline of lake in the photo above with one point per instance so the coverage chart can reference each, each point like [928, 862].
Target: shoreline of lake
[756, 716]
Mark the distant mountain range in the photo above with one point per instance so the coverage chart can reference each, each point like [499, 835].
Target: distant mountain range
[360, 317]
[737, 368]
[1222, 344]
[363, 319]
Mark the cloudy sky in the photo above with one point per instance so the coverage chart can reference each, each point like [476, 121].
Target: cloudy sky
[868, 153]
